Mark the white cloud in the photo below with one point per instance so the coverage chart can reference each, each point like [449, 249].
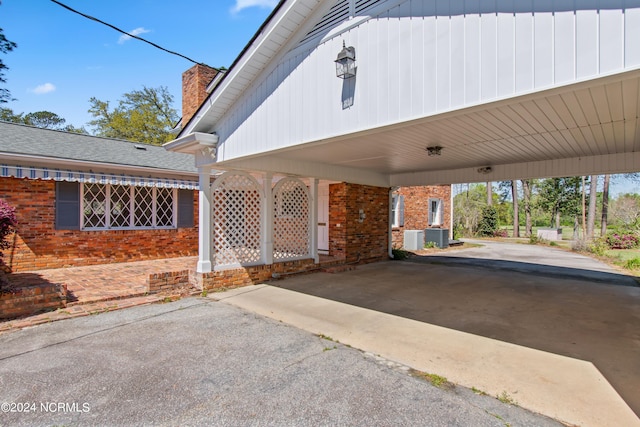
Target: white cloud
[42, 89]
[243, 4]
[140, 30]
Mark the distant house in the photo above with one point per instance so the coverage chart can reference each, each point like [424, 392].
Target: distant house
[84, 200]
[419, 208]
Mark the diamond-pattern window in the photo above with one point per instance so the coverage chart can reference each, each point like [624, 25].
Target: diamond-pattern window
[95, 206]
[164, 207]
[121, 206]
[143, 212]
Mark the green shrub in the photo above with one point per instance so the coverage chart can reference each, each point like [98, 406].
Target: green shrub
[598, 246]
[399, 254]
[430, 245]
[632, 264]
[489, 222]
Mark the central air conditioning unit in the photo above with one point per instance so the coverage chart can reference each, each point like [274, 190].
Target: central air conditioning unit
[413, 240]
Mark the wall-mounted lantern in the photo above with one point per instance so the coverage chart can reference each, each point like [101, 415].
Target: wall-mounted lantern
[346, 62]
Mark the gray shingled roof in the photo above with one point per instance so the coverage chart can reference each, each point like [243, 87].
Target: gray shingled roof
[28, 140]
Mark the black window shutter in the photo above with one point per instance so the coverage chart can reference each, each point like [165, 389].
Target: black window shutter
[67, 205]
[185, 208]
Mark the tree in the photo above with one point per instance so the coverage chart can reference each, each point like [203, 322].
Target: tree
[605, 205]
[489, 222]
[143, 115]
[560, 196]
[625, 212]
[591, 213]
[5, 47]
[467, 207]
[516, 214]
[526, 192]
[40, 119]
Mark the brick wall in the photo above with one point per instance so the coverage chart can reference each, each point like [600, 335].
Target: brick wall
[348, 237]
[416, 209]
[38, 245]
[252, 275]
[29, 300]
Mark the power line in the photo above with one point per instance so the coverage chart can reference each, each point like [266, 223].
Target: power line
[126, 33]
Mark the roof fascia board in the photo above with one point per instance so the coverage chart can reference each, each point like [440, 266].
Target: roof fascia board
[282, 11]
[42, 160]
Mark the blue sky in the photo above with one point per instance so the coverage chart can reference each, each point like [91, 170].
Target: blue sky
[63, 59]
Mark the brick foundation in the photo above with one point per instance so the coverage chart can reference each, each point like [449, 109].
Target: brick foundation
[33, 299]
[416, 209]
[349, 238]
[38, 245]
[251, 275]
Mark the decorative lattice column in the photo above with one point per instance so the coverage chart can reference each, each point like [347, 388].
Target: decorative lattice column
[237, 201]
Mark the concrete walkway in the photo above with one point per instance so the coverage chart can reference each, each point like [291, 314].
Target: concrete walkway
[569, 390]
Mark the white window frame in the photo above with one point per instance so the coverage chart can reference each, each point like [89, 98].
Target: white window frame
[435, 218]
[107, 212]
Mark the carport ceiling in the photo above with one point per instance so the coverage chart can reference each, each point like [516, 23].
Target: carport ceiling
[590, 118]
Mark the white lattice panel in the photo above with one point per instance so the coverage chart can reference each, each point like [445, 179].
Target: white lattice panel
[237, 213]
[291, 233]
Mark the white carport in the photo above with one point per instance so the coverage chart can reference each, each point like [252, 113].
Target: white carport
[508, 90]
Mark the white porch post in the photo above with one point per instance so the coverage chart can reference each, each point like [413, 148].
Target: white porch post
[313, 219]
[205, 239]
[267, 220]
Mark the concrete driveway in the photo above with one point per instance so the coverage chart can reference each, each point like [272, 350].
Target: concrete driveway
[200, 362]
[575, 307]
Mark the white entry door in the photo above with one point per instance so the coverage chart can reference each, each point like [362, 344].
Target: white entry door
[323, 218]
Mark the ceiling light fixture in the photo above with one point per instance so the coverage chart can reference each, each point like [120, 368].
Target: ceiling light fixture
[434, 151]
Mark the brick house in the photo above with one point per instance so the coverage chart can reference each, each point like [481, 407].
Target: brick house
[419, 208]
[84, 200]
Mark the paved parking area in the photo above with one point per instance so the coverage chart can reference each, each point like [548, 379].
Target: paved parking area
[200, 362]
[588, 312]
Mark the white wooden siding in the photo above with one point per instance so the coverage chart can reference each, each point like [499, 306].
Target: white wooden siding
[418, 58]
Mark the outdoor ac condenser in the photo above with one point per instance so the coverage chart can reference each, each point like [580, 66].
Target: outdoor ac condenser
[413, 239]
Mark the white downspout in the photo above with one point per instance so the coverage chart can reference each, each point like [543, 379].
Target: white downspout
[390, 248]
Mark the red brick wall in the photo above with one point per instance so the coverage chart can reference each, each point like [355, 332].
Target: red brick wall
[348, 237]
[29, 300]
[38, 245]
[416, 209]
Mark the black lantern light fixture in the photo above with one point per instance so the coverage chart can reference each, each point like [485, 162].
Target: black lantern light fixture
[346, 62]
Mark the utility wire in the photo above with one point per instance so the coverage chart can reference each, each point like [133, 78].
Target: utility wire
[126, 33]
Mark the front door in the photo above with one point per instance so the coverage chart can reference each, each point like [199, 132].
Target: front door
[323, 218]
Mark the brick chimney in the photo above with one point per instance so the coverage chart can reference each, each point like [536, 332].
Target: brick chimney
[194, 89]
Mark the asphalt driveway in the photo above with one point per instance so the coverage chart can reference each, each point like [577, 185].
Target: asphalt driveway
[200, 362]
[534, 296]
